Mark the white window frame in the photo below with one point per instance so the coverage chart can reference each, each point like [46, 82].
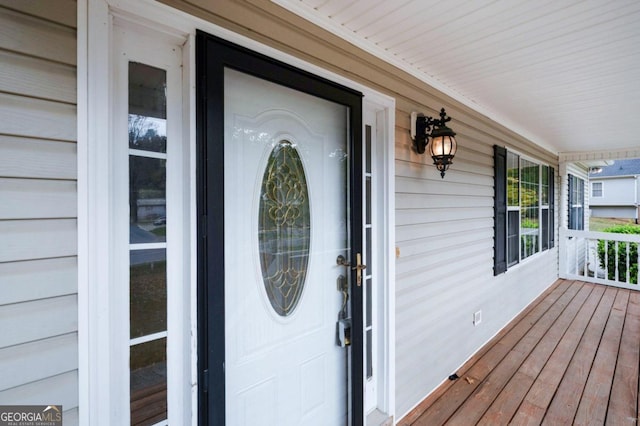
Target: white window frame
[101, 402]
[132, 43]
[517, 208]
[582, 181]
[593, 190]
[103, 297]
[380, 394]
[513, 209]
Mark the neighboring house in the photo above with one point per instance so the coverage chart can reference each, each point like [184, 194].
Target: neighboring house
[615, 190]
[285, 158]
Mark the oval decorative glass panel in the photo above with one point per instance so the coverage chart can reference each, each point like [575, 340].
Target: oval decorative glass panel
[284, 228]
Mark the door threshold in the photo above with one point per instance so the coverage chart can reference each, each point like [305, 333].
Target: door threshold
[378, 418]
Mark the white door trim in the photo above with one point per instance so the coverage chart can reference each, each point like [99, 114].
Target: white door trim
[103, 240]
[97, 390]
[385, 170]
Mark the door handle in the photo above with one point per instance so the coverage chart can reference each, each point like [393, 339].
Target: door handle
[341, 261]
[358, 268]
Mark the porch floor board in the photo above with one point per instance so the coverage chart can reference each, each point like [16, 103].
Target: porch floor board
[571, 357]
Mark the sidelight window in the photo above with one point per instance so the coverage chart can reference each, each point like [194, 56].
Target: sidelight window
[147, 244]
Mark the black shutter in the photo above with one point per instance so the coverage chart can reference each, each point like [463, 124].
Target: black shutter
[580, 211]
[500, 210]
[552, 202]
[570, 202]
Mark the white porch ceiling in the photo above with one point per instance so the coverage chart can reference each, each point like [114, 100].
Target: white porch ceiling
[563, 73]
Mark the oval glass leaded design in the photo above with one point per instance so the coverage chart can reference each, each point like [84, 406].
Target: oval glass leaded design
[284, 228]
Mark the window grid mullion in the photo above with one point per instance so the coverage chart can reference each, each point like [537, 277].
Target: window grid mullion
[535, 215]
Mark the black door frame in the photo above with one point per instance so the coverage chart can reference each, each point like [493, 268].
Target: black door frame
[213, 55]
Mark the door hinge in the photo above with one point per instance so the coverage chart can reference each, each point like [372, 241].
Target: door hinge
[205, 381]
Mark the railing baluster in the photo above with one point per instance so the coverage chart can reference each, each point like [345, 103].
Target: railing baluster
[590, 256]
[616, 260]
[585, 262]
[576, 266]
[628, 276]
[595, 257]
[606, 259]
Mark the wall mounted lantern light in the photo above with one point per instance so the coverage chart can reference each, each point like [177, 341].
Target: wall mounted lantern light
[439, 138]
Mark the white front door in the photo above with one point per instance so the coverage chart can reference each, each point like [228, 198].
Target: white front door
[286, 223]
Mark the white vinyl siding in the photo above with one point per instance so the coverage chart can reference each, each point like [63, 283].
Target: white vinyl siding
[574, 248]
[444, 231]
[38, 266]
[615, 191]
[618, 197]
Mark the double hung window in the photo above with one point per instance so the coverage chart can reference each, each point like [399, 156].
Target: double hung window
[524, 208]
[596, 189]
[576, 203]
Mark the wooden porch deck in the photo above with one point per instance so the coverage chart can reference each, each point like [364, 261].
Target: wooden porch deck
[570, 358]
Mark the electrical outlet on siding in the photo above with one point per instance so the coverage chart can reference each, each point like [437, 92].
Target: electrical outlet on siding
[477, 318]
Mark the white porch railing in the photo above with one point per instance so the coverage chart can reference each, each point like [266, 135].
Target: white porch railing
[600, 257]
